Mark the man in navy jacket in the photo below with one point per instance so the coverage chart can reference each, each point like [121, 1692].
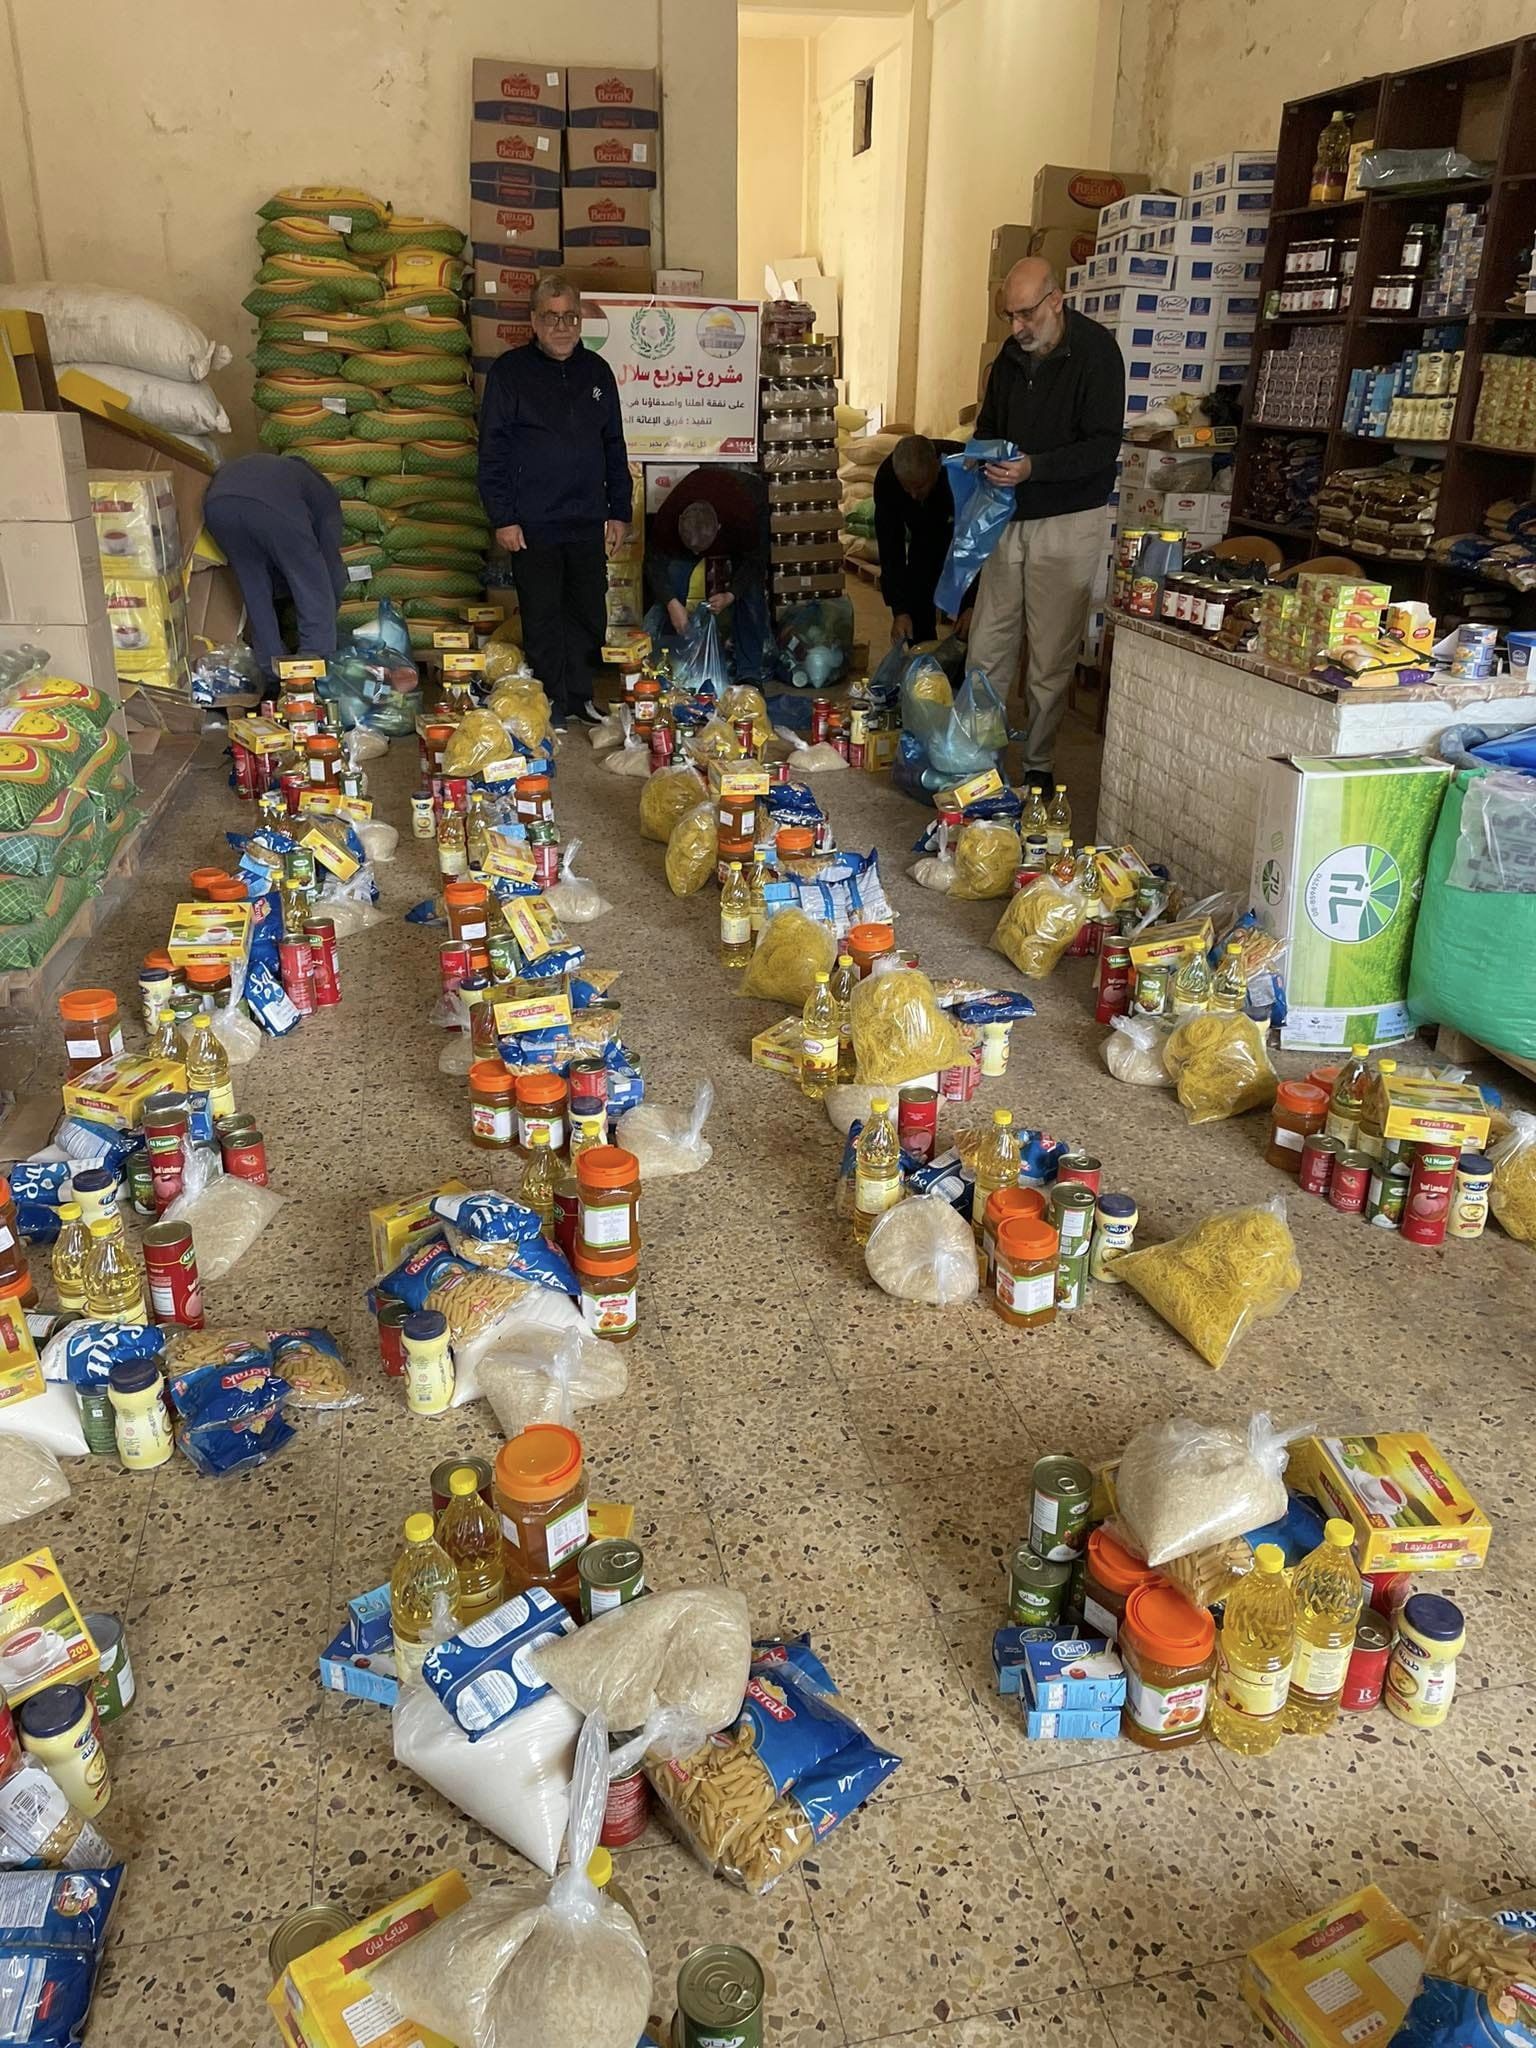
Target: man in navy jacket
[554, 478]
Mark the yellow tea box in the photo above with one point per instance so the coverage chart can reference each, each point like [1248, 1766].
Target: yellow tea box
[324, 1996]
[394, 1228]
[43, 1640]
[1410, 1511]
[1342, 1978]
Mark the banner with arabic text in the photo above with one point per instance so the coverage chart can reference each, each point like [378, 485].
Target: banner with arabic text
[686, 371]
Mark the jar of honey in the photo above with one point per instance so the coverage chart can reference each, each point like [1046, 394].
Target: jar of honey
[468, 908]
[609, 1284]
[866, 942]
[322, 761]
[795, 842]
[541, 1497]
[93, 1029]
[1025, 1252]
[532, 800]
[609, 1179]
[492, 1117]
[1300, 1111]
[1002, 1204]
[541, 1107]
[1168, 1648]
[1110, 1576]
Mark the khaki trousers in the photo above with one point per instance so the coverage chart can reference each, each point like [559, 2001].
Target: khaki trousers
[1038, 581]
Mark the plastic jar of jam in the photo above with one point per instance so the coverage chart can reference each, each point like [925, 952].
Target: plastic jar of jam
[468, 908]
[795, 842]
[1421, 1672]
[1025, 1252]
[93, 1029]
[541, 1107]
[866, 942]
[322, 761]
[1111, 1574]
[533, 802]
[492, 1116]
[1168, 1648]
[434, 744]
[541, 1497]
[1002, 1204]
[200, 878]
[609, 1283]
[15, 1273]
[1300, 1111]
[609, 1179]
[212, 983]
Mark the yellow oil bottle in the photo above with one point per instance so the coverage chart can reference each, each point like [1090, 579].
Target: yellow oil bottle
[470, 1533]
[818, 1044]
[998, 1158]
[208, 1066]
[112, 1283]
[541, 1176]
[1329, 1596]
[1254, 1655]
[843, 980]
[735, 919]
[71, 1248]
[423, 1595]
[877, 1184]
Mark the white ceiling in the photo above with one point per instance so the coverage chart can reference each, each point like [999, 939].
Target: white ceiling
[793, 19]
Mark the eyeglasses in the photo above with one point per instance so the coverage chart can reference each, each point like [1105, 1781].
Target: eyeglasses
[1026, 312]
[559, 319]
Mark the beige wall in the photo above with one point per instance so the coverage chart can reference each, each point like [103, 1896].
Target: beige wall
[1201, 76]
[140, 160]
[771, 154]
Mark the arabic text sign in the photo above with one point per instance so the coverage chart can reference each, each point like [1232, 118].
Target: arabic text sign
[686, 371]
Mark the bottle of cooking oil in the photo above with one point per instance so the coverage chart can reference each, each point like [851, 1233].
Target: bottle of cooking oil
[541, 1176]
[110, 1281]
[818, 1045]
[843, 981]
[1058, 819]
[735, 919]
[1254, 1656]
[167, 1044]
[208, 1066]
[1330, 167]
[423, 1595]
[757, 896]
[1033, 816]
[1063, 863]
[1371, 1135]
[877, 1184]
[1192, 987]
[1229, 990]
[1349, 1096]
[471, 1534]
[71, 1248]
[1090, 882]
[1328, 1601]
[477, 830]
[998, 1158]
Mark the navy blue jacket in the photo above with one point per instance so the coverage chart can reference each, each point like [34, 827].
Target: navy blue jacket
[552, 455]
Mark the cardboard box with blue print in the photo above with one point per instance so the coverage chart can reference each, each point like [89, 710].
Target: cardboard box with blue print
[627, 158]
[598, 97]
[520, 95]
[605, 220]
[525, 159]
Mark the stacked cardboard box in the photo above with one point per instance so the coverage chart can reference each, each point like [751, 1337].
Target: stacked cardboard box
[562, 175]
[51, 590]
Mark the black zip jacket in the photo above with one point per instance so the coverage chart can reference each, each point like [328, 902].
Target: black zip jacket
[1065, 411]
[552, 455]
[913, 538]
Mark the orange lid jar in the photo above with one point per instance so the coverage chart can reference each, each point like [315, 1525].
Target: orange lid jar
[1110, 1575]
[541, 1497]
[212, 981]
[1168, 1648]
[468, 908]
[200, 878]
[1025, 1252]
[795, 842]
[541, 1107]
[610, 1284]
[228, 889]
[322, 761]
[608, 1178]
[532, 800]
[15, 1273]
[1300, 1110]
[93, 1029]
[866, 942]
[492, 1116]
[1002, 1204]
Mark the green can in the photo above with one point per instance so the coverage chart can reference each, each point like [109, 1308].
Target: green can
[1150, 995]
[96, 1420]
[1073, 1207]
[1058, 1520]
[1072, 1275]
[299, 866]
[113, 1685]
[1388, 1196]
[1037, 1589]
[719, 1999]
[141, 1182]
[608, 1574]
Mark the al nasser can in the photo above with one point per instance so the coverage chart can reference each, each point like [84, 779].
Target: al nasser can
[175, 1292]
[1314, 1175]
[321, 933]
[821, 712]
[609, 1574]
[627, 1808]
[1080, 1169]
[917, 1120]
[1431, 1185]
[1037, 1588]
[113, 1684]
[1058, 1520]
[485, 1479]
[719, 1999]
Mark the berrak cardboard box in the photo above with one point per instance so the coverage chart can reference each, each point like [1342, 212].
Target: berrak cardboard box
[611, 156]
[525, 95]
[600, 97]
[605, 220]
[522, 159]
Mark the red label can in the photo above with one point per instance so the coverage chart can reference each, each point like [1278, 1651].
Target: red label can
[856, 751]
[1114, 993]
[391, 1320]
[567, 1217]
[627, 1811]
[245, 1157]
[453, 963]
[175, 1292]
[546, 865]
[1385, 1592]
[321, 934]
[293, 786]
[1350, 1182]
[1086, 943]
[296, 964]
[1431, 1184]
[821, 712]
[1314, 1176]
[746, 735]
[455, 793]
[959, 1084]
[164, 1133]
[661, 746]
[917, 1120]
[1079, 1167]
[1368, 1664]
[10, 1746]
[245, 770]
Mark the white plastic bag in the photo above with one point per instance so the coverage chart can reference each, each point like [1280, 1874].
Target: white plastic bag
[521, 1968]
[50, 1419]
[923, 1250]
[608, 732]
[380, 841]
[850, 1103]
[664, 1141]
[168, 402]
[87, 323]
[1133, 1051]
[633, 756]
[240, 1038]
[541, 1309]
[536, 1374]
[350, 905]
[227, 1214]
[574, 899]
[515, 1780]
[1182, 1485]
[674, 1665]
[30, 1477]
[817, 760]
[935, 871]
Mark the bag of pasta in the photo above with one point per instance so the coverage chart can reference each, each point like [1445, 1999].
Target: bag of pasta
[741, 701]
[987, 856]
[480, 747]
[521, 705]
[899, 1031]
[1235, 1267]
[692, 851]
[503, 658]
[792, 951]
[666, 797]
[1512, 1196]
[1039, 925]
[1479, 1982]
[1220, 1066]
[754, 1801]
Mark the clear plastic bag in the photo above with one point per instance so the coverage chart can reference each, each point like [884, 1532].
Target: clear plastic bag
[850, 1103]
[1220, 1066]
[1183, 1485]
[349, 905]
[480, 747]
[923, 1250]
[536, 1374]
[935, 871]
[574, 899]
[633, 755]
[673, 1665]
[817, 760]
[1512, 1197]
[669, 795]
[700, 661]
[227, 1214]
[515, 1780]
[50, 1419]
[791, 952]
[607, 733]
[380, 841]
[240, 1038]
[521, 1967]
[1039, 925]
[975, 732]
[982, 513]
[692, 850]
[987, 856]
[1233, 1268]
[1133, 1051]
[31, 1477]
[1400, 170]
[664, 1141]
[1479, 1981]
[899, 1031]
[745, 700]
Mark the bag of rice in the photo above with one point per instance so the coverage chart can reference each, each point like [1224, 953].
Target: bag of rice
[1220, 1066]
[1183, 1485]
[1235, 1267]
[791, 952]
[673, 1665]
[1133, 1051]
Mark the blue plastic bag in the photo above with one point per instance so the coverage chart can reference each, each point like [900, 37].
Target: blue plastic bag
[982, 510]
[230, 1416]
[57, 1908]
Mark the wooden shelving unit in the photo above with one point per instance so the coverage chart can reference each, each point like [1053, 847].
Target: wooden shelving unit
[1483, 103]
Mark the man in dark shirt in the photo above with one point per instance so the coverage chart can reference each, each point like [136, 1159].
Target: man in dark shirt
[554, 478]
[719, 517]
[914, 524]
[279, 524]
[1057, 391]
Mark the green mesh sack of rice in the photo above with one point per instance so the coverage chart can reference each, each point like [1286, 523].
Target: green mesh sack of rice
[343, 332]
[385, 367]
[439, 458]
[303, 356]
[343, 208]
[437, 526]
[394, 423]
[284, 388]
[287, 293]
[410, 491]
[441, 336]
[60, 839]
[464, 561]
[294, 234]
[363, 554]
[433, 611]
[361, 520]
[416, 267]
[439, 583]
[352, 285]
[352, 490]
[405, 231]
[349, 458]
[294, 424]
[419, 299]
[29, 941]
[434, 398]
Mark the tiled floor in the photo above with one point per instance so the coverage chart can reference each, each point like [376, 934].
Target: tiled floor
[858, 1469]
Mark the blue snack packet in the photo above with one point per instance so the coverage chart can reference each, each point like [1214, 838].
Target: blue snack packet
[269, 1002]
[997, 1008]
[1447, 2015]
[57, 1908]
[45, 1996]
[84, 1353]
[427, 911]
[497, 1219]
[230, 1416]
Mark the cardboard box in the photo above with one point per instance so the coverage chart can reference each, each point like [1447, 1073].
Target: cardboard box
[1066, 197]
[1170, 945]
[684, 284]
[1092, 1724]
[1219, 272]
[1421, 1110]
[1160, 338]
[1062, 247]
[1073, 1673]
[1339, 854]
[492, 337]
[42, 467]
[1197, 237]
[1009, 245]
[394, 1228]
[1345, 1976]
[596, 97]
[1240, 206]
[82, 654]
[136, 525]
[612, 156]
[778, 1049]
[115, 1091]
[524, 95]
[1116, 302]
[605, 220]
[324, 1996]
[209, 934]
[612, 272]
[359, 1660]
[50, 569]
[524, 159]
[43, 1640]
[1139, 266]
[1140, 210]
[509, 284]
[1409, 1510]
[880, 750]
[1237, 167]
[530, 227]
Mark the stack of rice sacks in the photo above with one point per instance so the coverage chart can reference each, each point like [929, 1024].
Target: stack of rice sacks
[66, 786]
[362, 368]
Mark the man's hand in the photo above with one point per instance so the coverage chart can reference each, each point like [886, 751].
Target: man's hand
[1015, 472]
[614, 531]
[511, 538]
[963, 624]
[677, 612]
[901, 627]
[720, 600]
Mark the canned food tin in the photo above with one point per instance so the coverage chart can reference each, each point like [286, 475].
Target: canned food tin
[1350, 1182]
[1431, 1185]
[1114, 990]
[719, 1999]
[609, 1574]
[321, 933]
[1367, 1664]
[245, 1156]
[917, 1120]
[170, 1261]
[141, 1181]
[485, 1479]
[391, 1321]
[1037, 1588]
[1150, 994]
[97, 1422]
[628, 1805]
[1072, 1276]
[1058, 1521]
[1080, 1169]
[310, 1927]
[959, 1084]
[1073, 1204]
[452, 964]
[1315, 1172]
[113, 1684]
[1388, 1195]
[295, 959]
